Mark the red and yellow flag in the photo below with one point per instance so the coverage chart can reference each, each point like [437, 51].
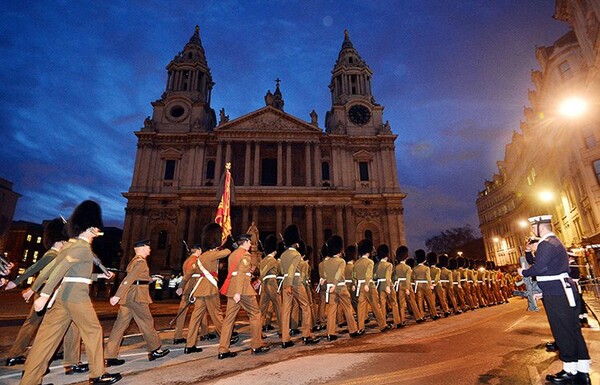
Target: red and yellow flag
[223, 211]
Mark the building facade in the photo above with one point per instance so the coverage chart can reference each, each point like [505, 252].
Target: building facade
[8, 204]
[340, 179]
[23, 245]
[552, 164]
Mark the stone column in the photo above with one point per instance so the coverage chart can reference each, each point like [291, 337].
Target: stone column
[256, 163]
[247, 166]
[288, 164]
[319, 225]
[279, 163]
[192, 236]
[278, 220]
[218, 163]
[308, 164]
[310, 239]
[228, 152]
[198, 167]
[245, 223]
[288, 215]
[317, 165]
[339, 222]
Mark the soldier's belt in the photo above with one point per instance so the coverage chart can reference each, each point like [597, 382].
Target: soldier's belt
[479, 281]
[281, 278]
[348, 281]
[455, 283]
[444, 281]
[87, 281]
[329, 286]
[196, 275]
[236, 273]
[379, 281]
[358, 285]
[463, 280]
[397, 284]
[269, 277]
[562, 278]
[418, 281]
[139, 282]
[470, 281]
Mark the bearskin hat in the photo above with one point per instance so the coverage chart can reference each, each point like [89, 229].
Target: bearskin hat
[54, 232]
[291, 235]
[280, 249]
[383, 251]
[211, 236]
[442, 260]
[401, 253]
[365, 247]
[302, 247]
[410, 262]
[270, 244]
[87, 214]
[452, 264]
[420, 255]
[460, 262]
[350, 253]
[335, 244]
[432, 258]
[324, 251]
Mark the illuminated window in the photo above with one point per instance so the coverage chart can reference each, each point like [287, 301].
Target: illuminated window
[25, 255]
[39, 240]
[28, 237]
[589, 137]
[35, 256]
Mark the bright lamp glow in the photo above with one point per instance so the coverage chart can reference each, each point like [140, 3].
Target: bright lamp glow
[572, 107]
[523, 223]
[546, 196]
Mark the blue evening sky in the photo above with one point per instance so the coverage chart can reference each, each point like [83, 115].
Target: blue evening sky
[77, 79]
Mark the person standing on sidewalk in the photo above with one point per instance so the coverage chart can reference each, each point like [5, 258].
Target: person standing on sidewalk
[134, 296]
[561, 301]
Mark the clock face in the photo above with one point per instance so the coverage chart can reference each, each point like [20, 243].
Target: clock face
[359, 114]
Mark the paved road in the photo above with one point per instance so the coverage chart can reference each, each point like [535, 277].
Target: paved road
[498, 345]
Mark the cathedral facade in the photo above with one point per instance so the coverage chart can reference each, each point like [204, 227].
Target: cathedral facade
[340, 179]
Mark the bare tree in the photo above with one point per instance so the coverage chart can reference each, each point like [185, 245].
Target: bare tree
[450, 239]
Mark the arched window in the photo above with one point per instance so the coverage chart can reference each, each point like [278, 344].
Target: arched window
[325, 170]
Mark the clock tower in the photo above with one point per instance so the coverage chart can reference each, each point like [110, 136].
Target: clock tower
[354, 110]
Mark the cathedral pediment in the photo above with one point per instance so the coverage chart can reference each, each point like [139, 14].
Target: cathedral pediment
[268, 119]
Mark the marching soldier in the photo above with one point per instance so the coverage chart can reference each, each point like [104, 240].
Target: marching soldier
[383, 274]
[240, 294]
[293, 289]
[460, 262]
[337, 293]
[321, 310]
[458, 290]
[54, 240]
[436, 272]
[305, 271]
[349, 257]
[422, 277]
[404, 289]
[184, 291]
[478, 283]
[205, 293]
[482, 284]
[447, 282]
[269, 267]
[71, 302]
[134, 296]
[366, 291]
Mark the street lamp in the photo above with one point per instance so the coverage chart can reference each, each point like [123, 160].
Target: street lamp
[546, 196]
[573, 107]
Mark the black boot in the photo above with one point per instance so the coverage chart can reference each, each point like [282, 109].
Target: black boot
[106, 378]
[79, 368]
[157, 353]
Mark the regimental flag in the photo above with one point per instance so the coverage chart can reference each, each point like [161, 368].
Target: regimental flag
[223, 211]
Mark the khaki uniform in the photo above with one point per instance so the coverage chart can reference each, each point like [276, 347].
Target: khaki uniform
[458, 290]
[187, 287]
[305, 272]
[134, 299]
[289, 261]
[363, 277]
[383, 274]
[239, 268]
[321, 312]
[403, 285]
[206, 294]
[72, 304]
[348, 276]
[269, 268]
[439, 290]
[334, 274]
[422, 278]
[466, 287]
[447, 283]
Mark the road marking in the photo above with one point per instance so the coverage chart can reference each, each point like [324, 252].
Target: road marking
[516, 323]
